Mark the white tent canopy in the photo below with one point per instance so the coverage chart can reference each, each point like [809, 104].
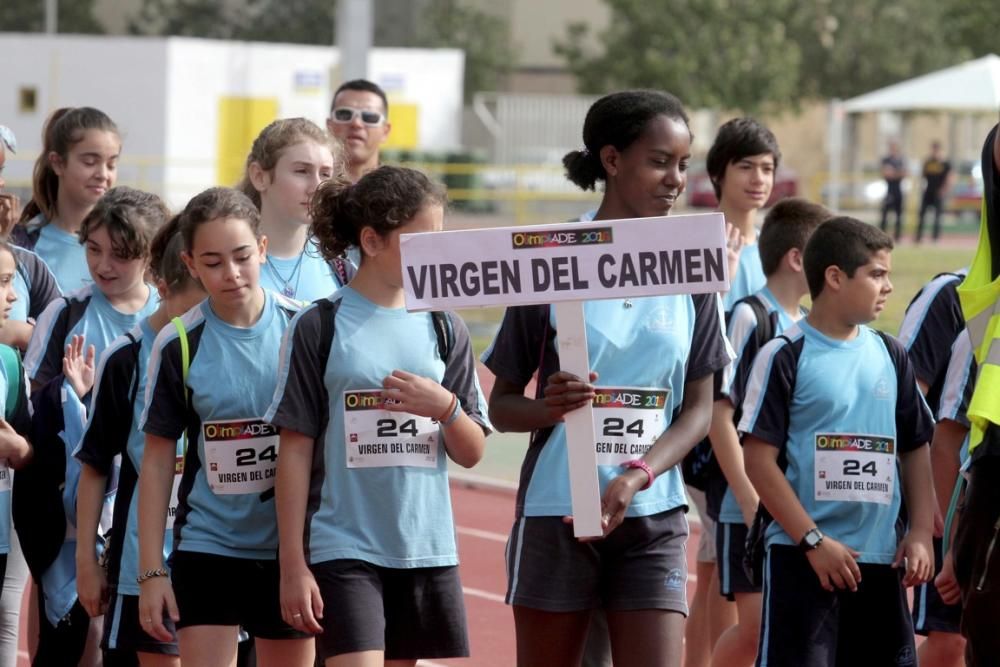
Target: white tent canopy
[971, 86]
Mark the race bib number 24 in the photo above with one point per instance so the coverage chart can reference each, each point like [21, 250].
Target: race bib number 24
[627, 421]
[241, 456]
[855, 468]
[378, 438]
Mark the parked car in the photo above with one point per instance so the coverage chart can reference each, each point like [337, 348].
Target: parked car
[966, 194]
[701, 194]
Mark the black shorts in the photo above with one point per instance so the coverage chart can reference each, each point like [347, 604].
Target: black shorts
[407, 613]
[930, 613]
[730, 545]
[222, 590]
[642, 564]
[123, 631]
[804, 625]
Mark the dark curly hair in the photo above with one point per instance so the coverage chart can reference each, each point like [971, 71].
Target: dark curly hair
[213, 204]
[131, 218]
[384, 199]
[617, 119]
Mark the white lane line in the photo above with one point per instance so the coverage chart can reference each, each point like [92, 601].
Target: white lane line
[483, 534]
[428, 663]
[486, 595]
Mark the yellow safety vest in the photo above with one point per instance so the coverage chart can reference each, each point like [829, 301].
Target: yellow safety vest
[979, 294]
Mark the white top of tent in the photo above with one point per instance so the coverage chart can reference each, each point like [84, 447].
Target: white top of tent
[971, 86]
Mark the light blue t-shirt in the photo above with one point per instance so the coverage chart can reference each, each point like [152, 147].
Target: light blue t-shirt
[34, 285]
[842, 416]
[397, 513]
[226, 494]
[65, 255]
[85, 312]
[648, 348]
[749, 278]
[305, 278]
[742, 336]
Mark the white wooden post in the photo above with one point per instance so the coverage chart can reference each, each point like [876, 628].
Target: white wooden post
[585, 491]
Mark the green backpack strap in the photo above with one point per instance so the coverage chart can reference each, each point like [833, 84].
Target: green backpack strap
[11, 360]
[185, 364]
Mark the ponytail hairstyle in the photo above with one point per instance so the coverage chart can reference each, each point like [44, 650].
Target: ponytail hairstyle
[63, 129]
[384, 199]
[213, 204]
[272, 141]
[131, 217]
[617, 119]
[165, 261]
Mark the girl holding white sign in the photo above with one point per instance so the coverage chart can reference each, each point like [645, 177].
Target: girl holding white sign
[370, 401]
[212, 373]
[118, 390]
[654, 357]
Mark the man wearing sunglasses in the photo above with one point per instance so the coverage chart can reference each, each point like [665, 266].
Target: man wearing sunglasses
[359, 118]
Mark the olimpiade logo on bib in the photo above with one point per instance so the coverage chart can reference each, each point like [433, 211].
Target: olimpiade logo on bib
[556, 239]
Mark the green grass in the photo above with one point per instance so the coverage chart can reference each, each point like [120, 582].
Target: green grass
[912, 266]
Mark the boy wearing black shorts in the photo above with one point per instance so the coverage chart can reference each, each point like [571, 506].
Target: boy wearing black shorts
[832, 417]
[754, 321]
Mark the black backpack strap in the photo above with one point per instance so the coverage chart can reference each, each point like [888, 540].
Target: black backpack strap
[444, 330]
[134, 390]
[765, 327]
[325, 332]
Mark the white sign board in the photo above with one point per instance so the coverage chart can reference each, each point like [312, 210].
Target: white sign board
[578, 261]
[566, 264]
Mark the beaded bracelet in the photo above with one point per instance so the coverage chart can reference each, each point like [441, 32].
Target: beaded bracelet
[151, 574]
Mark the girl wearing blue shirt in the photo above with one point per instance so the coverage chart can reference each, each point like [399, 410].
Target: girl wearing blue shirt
[120, 381]
[287, 162]
[115, 235]
[370, 403]
[211, 378]
[78, 164]
[661, 351]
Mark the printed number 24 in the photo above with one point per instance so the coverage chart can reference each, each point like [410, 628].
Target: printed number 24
[854, 467]
[616, 428]
[249, 456]
[388, 428]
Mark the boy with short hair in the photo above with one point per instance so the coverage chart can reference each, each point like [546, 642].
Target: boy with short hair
[741, 164]
[829, 407]
[754, 321]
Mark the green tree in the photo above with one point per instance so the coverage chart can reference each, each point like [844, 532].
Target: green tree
[849, 48]
[484, 37]
[74, 16]
[717, 53]
[296, 21]
[973, 25]
[761, 55]
[186, 18]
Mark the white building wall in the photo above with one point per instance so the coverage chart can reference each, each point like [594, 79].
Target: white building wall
[164, 95]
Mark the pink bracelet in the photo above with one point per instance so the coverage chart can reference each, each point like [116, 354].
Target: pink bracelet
[642, 465]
